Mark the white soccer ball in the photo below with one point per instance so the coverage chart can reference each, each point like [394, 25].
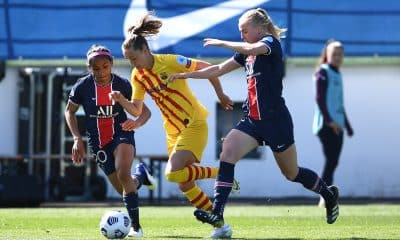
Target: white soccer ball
[115, 224]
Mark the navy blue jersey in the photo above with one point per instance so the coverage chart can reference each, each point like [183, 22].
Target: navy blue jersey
[103, 117]
[264, 75]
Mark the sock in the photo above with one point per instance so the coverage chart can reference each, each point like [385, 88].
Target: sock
[131, 202]
[223, 186]
[191, 173]
[311, 181]
[198, 198]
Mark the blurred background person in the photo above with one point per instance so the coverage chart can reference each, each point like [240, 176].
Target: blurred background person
[330, 119]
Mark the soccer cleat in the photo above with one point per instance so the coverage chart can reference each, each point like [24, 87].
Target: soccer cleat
[215, 220]
[135, 234]
[235, 187]
[223, 232]
[332, 207]
[148, 179]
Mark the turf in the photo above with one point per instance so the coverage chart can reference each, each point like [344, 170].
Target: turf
[356, 222]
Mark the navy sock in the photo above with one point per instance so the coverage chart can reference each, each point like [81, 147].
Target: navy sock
[131, 201]
[311, 181]
[223, 186]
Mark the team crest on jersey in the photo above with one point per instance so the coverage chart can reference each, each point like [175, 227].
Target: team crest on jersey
[163, 76]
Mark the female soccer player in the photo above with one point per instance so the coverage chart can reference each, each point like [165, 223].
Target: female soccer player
[110, 133]
[267, 120]
[184, 116]
[330, 116]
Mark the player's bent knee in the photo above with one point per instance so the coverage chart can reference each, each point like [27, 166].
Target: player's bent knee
[175, 176]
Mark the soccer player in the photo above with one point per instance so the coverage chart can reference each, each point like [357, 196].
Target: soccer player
[266, 120]
[184, 116]
[110, 134]
[330, 117]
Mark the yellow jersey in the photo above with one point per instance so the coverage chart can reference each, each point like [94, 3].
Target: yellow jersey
[178, 105]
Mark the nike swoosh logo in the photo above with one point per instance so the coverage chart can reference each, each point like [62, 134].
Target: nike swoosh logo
[177, 28]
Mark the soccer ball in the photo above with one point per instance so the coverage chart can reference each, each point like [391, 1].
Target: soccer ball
[115, 224]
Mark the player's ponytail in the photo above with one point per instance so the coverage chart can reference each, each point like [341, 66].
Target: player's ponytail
[148, 25]
[260, 17]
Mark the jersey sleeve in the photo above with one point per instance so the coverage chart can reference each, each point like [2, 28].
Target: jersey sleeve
[239, 58]
[272, 44]
[75, 95]
[127, 90]
[138, 90]
[181, 63]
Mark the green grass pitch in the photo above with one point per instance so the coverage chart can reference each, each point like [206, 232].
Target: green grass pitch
[356, 222]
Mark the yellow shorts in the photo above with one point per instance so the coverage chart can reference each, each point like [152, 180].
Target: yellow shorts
[193, 138]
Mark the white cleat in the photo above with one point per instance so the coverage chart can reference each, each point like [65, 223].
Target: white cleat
[135, 234]
[222, 232]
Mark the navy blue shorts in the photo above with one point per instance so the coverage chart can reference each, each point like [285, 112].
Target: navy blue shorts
[276, 132]
[105, 156]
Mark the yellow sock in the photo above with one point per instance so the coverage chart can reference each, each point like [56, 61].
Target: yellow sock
[198, 198]
[191, 173]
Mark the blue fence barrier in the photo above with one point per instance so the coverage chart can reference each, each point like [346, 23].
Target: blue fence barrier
[47, 29]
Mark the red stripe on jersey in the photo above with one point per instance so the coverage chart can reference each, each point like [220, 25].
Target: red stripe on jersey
[157, 100]
[148, 80]
[175, 104]
[105, 126]
[169, 89]
[254, 110]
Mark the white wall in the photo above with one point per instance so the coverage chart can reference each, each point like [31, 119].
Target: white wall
[370, 160]
[8, 113]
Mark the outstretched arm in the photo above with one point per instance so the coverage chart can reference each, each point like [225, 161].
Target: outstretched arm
[224, 100]
[257, 48]
[212, 71]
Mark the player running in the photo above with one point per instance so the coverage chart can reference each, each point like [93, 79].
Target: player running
[110, 133]
[184, 116]
[266, 120]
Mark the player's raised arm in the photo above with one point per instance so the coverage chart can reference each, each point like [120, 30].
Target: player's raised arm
[224, 100]
[208, 72]
[257, 48]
